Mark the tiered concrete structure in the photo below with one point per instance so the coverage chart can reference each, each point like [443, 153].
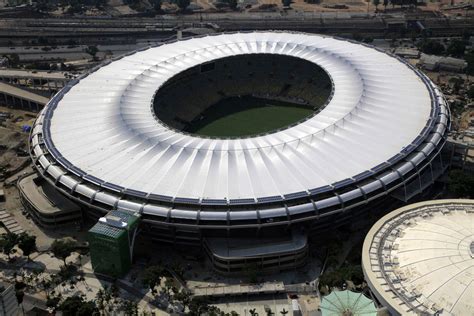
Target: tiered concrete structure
[47, 206]
[104, 142]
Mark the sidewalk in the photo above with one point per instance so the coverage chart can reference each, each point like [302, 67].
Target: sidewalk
[10, 223]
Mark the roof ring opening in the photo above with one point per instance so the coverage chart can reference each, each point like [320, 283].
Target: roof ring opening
[243, 95]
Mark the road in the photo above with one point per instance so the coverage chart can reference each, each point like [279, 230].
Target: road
[325, 22]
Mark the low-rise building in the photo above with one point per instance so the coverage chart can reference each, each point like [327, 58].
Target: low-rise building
[47, 206]
[436, 63]
[111, 242]
[461, 146]
[231, 256]
[407, 52]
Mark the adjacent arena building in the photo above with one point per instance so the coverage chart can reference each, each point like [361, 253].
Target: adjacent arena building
[419, 259]
[127, 136]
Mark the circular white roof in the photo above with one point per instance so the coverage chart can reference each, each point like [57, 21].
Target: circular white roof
[104, 125]
[420, 258]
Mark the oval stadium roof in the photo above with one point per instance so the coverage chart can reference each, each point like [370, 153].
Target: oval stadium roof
[104, 127]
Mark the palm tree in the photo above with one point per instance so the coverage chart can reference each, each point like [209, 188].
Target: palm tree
[376, 4]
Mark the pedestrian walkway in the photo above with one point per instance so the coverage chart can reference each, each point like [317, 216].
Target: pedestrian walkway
[10, 223]
[247, 289]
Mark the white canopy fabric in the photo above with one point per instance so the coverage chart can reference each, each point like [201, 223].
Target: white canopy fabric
[105, 125]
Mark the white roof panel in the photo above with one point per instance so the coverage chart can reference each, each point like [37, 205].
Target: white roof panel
[115, 137]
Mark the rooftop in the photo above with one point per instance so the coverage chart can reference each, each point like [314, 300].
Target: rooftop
[347, 303]
[114, 223]
[375, 97]
[419, 258]
[44, 197]
[241, 247]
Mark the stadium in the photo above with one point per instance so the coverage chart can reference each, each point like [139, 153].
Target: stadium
[418, 259]
[229, 139]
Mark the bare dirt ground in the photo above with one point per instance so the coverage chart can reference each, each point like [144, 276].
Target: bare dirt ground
[13, 141]
[14, 162]
[466, 119]
[206, 5]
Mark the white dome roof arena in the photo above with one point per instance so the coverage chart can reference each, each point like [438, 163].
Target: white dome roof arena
[419, 259]
[103, 142]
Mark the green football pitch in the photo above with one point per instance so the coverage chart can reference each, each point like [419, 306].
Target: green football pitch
[246, 116]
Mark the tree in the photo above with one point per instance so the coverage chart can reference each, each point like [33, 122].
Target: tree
[357, 37]
[461, 183]
[103, 297]
[99, 4]
[184, 297]
[44, 5]
[73, 6]
[198, 306]
[88, 308]
[100, 299]
[152, 276]
[169, 286]
[130, 308]
[13, 59]
[385, 4]
[183, 4]
[376, 4]
[77, 306]
[456, 48]
[27, 244]
[8, 242]
[62, 248]
[469, 58]
[252, 271]
[53, 301]
[432, 47]
[232, 4]
[156, 5]
[19, 298]
[92, 50]
[470, 92]
[338, 277]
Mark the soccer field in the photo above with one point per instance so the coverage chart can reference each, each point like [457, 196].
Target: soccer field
[245, 116]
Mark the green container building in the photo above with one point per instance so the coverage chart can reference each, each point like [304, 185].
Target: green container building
[111, 242]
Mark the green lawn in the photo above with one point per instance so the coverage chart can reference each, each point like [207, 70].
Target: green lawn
[245, 116]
